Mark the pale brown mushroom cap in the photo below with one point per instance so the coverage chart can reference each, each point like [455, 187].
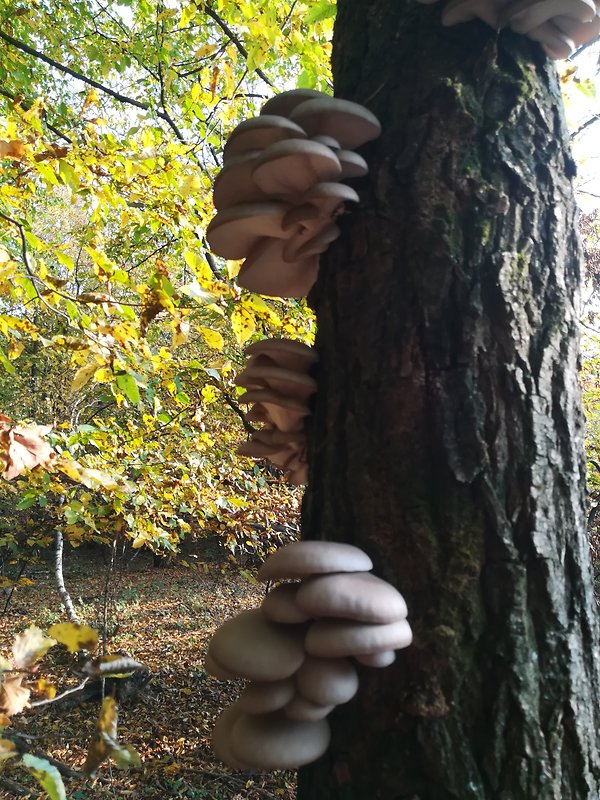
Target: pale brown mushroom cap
[292, 167]
[353, 165]
[274, 436]
[349, 123]
[303, 710]
[217, 671]
[378, 660]
[285, 102]
[286, 413]
[258, 133]
[257, 649]
[359, 596]
[263, 698]
[221, 737]
[266, 271]
[298, 476]
[234, 183]
[291, 346]
[283, 381]
[335, 638]
[301, 559]
[279, 605]
[272, 741]
[555, 43]
[327, 681]
[235, 230]
[526, 15]
[329, 141]
[295, 249]
[579, 33]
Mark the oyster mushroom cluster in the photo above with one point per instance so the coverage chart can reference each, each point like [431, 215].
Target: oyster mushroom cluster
[281, 188]
[278, 386]
[296, 652]
[560, 26]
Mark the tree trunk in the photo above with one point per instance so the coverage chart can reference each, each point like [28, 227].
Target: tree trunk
[59, 545]
[447, 432]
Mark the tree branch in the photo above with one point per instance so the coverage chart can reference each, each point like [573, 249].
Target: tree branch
[588, 123]
[236, 40]
[60, 134]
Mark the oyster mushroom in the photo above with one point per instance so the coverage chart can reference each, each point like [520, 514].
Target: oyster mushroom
[301, 559]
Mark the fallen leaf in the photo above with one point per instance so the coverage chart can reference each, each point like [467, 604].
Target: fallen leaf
[74, 637]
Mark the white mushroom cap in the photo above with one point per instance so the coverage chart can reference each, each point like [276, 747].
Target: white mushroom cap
[329, 141]
[257, 649]
[262, 698]
[257, 133]
[221, 737]
[279, 605]
[286, 413]
[350, 123]
[266, 271]
[272, 741]
[234, 231]
[380, 660]
[555, 43]
[353, 165]
[280, 380]
[355, 595]
[217, 671]
[526, 15]
[327, 681]
[292, 167]
[297, 249]
[301, 559]
[335, 638]
[285, 102]
[302, 710]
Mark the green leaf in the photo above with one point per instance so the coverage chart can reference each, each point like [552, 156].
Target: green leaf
[129, 387]
[324, 9]
[46, 775]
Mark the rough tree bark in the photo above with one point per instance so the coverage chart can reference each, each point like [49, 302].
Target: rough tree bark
[447, 432]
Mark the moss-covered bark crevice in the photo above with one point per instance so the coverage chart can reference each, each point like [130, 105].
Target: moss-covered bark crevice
[447, 433]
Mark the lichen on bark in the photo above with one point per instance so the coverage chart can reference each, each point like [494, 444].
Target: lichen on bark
[447, 433]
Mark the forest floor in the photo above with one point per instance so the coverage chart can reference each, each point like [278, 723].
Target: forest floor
[163, 617]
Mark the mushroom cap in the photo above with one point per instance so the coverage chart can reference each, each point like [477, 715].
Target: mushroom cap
[266, 271]
[302, 710]
[328, 196]
[254, 448]
[274, 436]
[335, 638]
[258, 133]
[298, 248]
[327, 681]
[353, 165]
[285, 413]
[329, 141]
[579, 33]
[279, 605]
[280, 380]
[293, 166]
[555, 43]
[285, 102]
[526, 15]
[271, 346]
[298, 476]
[257, 649]
[262, 698]
[272, 741]
[221, 736]
[217, 671]
[234, 231]
[301, 559]
[379, 660]
[234, 184]
[352, 595]
[281, 455]
[349, 123]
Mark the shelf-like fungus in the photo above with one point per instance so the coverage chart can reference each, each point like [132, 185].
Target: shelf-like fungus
[266, 271]
[358, 596]
[283, 381]
[351, 124]
[257, 649]
[285, 352]
[301, 559]
[327, 681]
[263, 698]
[524, 16]
[234, 231]
[286, 413]
[221, 737]
[292, 167]
[279, 605]
[258, 133]
[303, 710]
[335, 638]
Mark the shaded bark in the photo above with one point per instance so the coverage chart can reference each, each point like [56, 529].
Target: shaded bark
[447, 433]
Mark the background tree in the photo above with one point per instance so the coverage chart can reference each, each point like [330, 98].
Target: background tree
[447, 435]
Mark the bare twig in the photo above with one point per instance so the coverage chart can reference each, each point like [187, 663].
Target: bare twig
[50, 700]
[16, 790]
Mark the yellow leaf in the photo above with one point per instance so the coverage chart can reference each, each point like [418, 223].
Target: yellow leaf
[181, 333]
[243, 324]
[103, 375]
[74, 637]
[83, 375]
[8, 749]
[212, 338]
[14, 349]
